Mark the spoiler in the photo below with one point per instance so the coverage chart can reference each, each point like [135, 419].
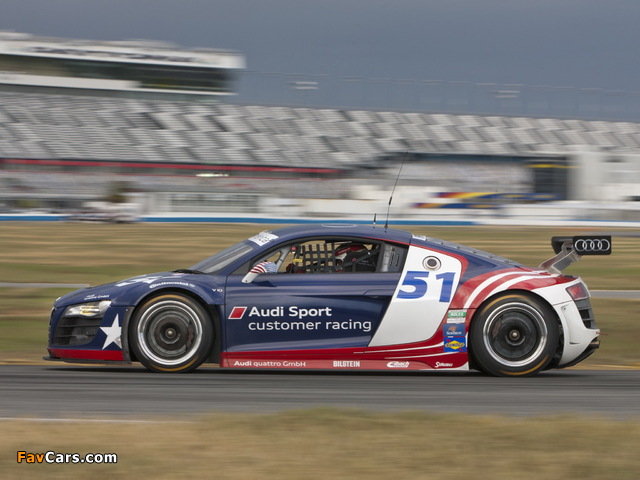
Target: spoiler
[569, 250]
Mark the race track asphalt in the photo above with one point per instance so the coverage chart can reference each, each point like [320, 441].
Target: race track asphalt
[60, 391]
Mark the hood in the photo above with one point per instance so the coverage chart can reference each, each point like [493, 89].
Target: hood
[127, 292]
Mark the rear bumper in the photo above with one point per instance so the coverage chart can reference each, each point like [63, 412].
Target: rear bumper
[578, 327]
[579, 340]
[593, 346]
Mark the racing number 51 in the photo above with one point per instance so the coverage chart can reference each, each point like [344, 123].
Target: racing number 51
[418, 284]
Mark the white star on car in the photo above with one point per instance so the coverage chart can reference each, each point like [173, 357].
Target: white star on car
[113, 333]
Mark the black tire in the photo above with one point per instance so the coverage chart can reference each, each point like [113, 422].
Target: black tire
[171, 333]
[513, 335]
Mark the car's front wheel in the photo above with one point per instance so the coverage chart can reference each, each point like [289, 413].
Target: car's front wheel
[513, 334]
[171, 333]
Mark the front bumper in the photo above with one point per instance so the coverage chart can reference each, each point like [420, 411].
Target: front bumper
[95, 339]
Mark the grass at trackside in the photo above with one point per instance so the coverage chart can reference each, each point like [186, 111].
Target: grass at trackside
[55, 252]
[331, 443]
[91, 254]
[618, 321]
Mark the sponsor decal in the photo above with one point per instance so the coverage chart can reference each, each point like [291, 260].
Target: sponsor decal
[269, 363]
[454, 330]
[398, 364]
[280, 311]
[444, 365]
[263, 238]
[346, 363]
[293, 311]
[455, 344]
[174, 282]
[93, 296]
[420, 364]
[132, 281]
[295, 318]
[350, 324]
[243, 363]
[456, 314]
[237, 313]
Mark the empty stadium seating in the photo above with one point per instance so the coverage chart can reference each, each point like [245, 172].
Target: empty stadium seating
[71, 127]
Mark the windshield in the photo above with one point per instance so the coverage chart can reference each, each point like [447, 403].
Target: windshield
[221, 259]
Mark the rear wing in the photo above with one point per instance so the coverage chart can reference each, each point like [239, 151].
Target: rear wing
[570, 249]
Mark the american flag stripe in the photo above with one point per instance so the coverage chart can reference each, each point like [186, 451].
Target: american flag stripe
[515, 281]
[264, 267]
[493, 283]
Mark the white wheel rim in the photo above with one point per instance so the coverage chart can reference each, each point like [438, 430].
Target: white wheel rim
[169, 332]
[515, 334]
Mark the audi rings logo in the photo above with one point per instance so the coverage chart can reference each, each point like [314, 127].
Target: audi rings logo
[592, 245]
[598, 245]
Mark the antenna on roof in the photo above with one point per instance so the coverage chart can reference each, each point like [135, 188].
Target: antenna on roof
[386, 223]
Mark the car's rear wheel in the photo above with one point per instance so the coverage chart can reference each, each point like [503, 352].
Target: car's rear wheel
[171, 333]
[513, 334]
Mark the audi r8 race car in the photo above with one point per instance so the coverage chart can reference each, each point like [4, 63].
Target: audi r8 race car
[340, 297]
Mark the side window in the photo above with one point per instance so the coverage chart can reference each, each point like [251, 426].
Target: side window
[277, 257]
[332, 256]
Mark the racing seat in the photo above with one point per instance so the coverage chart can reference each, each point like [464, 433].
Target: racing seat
[355, 257]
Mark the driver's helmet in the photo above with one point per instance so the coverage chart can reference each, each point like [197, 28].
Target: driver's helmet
[353, 257]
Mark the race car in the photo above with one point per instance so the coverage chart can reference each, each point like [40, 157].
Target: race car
[340, 296]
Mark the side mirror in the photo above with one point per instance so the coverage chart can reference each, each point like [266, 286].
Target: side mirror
[250, 277]
[262, 267]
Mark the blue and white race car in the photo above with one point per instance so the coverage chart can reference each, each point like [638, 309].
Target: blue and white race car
[340, 297]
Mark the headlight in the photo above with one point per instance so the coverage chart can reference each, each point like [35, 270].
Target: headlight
[90, 309]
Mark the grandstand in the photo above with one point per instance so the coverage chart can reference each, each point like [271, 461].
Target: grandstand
[179, 152]
[58, 133]
[87, 128]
